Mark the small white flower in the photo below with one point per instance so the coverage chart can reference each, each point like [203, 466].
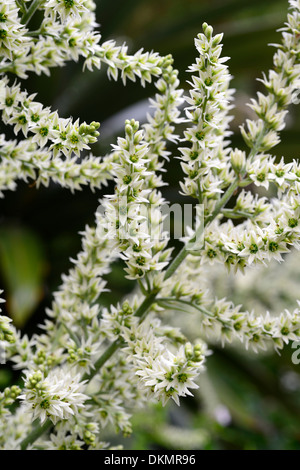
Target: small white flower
[57, 396]
[66, 8]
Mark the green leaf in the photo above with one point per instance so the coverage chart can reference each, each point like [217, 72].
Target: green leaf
[22, 266]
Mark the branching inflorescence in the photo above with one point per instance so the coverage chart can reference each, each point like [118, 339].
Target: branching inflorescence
[92, 365]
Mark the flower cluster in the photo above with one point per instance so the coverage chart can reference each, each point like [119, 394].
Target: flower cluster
[205, 162]
[164, 370]
[130, 220]
[283, 80]
[93, 365]
[12, 32]
[6, 330]
[65, 33]
[21, 111]
[7, 398]
[167, 375]
[56, 396]
[24, 160]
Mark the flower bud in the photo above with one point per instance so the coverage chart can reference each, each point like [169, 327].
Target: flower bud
[238, 160]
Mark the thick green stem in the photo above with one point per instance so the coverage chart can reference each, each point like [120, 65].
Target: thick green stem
[145, 305]
[185, 251]
[21, 5]
[102, 359]
[235, 214]
[30, 12]
[203, 310]
[141, 312]
[175, 263]
[223, 201]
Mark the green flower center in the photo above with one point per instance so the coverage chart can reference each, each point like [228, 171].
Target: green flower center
[261, 177]
[253, 248]
[69, 3]
[45, 404]
[273, 246]
[208, 81]
[182, 377]
[141, 260]
[74, 139]
[285, 331]
[211, 253]
[9, 101]
[35, 117]
[134, 158]
[194, 155]
[293, 223]
[44, 131]
[22, 119]
[127, 179]
[3, 33]
[200, 135]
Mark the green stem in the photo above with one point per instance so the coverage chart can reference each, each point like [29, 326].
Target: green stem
[190, 304]
[145, 305]
[30, 12]
[223, 201]
[21, 5]
[175, 263]
[142, 310]
[140, 283]
[141, 313]
[185, 251]
[72, 335]
[102, 359]
[232, 214]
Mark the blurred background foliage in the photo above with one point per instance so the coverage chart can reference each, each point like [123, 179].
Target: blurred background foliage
[244, 402]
